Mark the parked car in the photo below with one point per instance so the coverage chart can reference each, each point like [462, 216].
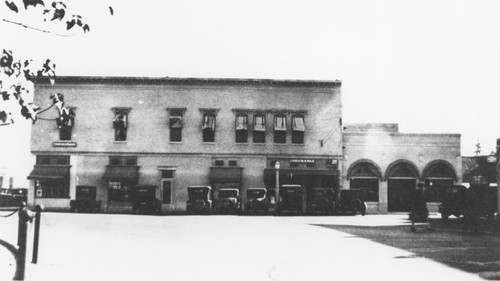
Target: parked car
[257, 200]
[480, 194]
[352, 201]
[199, 199]
[144, 199]
[322, 200]
[85, 200]
[13, 197]
[228, 200]
[290, 198]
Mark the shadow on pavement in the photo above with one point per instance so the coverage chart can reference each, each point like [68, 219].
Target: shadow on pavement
[469, 251]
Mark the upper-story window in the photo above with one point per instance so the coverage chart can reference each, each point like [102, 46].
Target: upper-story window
[259, 128]
[208, 127]
[175, 123]
[241, 128]
[280, 128]
[298, 129]
[65, 123]
[120, 123]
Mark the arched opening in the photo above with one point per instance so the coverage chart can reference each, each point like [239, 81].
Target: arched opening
[365, 175]
[401, 176]
[439, 175]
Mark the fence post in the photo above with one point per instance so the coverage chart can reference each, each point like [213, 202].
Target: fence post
[22, 235]
[38, 217]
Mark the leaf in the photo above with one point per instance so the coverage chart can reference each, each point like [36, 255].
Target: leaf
[32, 3]
[86, 28]
[5, 95]
[111, 10]
[70, 24]
[6, 59]
[58, 14]
[12, 6]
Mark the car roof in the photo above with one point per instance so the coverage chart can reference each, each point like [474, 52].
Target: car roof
[228, 189]
[200, 186]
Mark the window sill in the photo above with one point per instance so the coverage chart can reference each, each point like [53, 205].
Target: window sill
[175, 142]
[208, 143]
[120, 142]
[241, 143]
[298, 144]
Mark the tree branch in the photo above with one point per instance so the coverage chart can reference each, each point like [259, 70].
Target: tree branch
[37, 29]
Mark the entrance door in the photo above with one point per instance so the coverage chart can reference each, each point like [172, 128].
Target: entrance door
[166, 188]
[399, 194]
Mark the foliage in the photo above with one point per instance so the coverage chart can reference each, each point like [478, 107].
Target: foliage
[18, 75]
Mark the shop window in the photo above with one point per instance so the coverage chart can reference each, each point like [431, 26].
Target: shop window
[298, 129]
[120, 124]
[175, 123]
[208, 127]
[241, 128]
[259, 128]
[52, 160]
[280, 128]
[123, 161]
[435, 189]
[119, 192]
[52, 188]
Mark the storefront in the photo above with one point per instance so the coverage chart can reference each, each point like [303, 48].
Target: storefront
[308, 173]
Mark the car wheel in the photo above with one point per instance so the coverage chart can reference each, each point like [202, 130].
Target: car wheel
[444, 216]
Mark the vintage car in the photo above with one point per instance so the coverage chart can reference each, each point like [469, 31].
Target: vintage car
[458, 198]
[290, 198]
[144, 199]
[13, 197]
[322, 200]
[228, 200]
[85, 200]
[257, 200]
[199, 200]
[352, 201]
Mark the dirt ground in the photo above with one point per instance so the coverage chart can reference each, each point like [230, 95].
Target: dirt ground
[474, 252]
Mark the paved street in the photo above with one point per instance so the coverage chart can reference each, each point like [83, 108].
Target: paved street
[126, 247]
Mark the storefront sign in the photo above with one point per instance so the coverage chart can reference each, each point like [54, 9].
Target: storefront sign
[302, 161]
[64, 144]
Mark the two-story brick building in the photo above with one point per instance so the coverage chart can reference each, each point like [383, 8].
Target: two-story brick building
[177, 132]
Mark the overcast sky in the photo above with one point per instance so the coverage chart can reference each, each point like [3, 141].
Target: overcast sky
[431, 66]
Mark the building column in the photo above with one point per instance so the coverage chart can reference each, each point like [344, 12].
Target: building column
[382, 196]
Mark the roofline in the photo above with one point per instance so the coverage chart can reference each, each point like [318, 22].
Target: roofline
[177, 80]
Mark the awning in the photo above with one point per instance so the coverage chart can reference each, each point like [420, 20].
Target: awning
[51, 172]
[225, 174]
[122, 173]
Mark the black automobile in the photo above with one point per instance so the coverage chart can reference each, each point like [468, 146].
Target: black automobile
[13, 197]
[479, 196]
[352, 201]
[228, 200]
[85, 200]
[144, 199]
[290, 198]
[322, 200]
[199, 200]
[257, 200]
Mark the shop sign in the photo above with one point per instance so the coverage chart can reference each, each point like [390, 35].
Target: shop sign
[64, 144]
[311, 161]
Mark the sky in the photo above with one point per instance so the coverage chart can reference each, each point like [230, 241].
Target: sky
[430, 66]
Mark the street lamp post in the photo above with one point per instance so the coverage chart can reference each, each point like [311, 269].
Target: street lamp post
[277, 167]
